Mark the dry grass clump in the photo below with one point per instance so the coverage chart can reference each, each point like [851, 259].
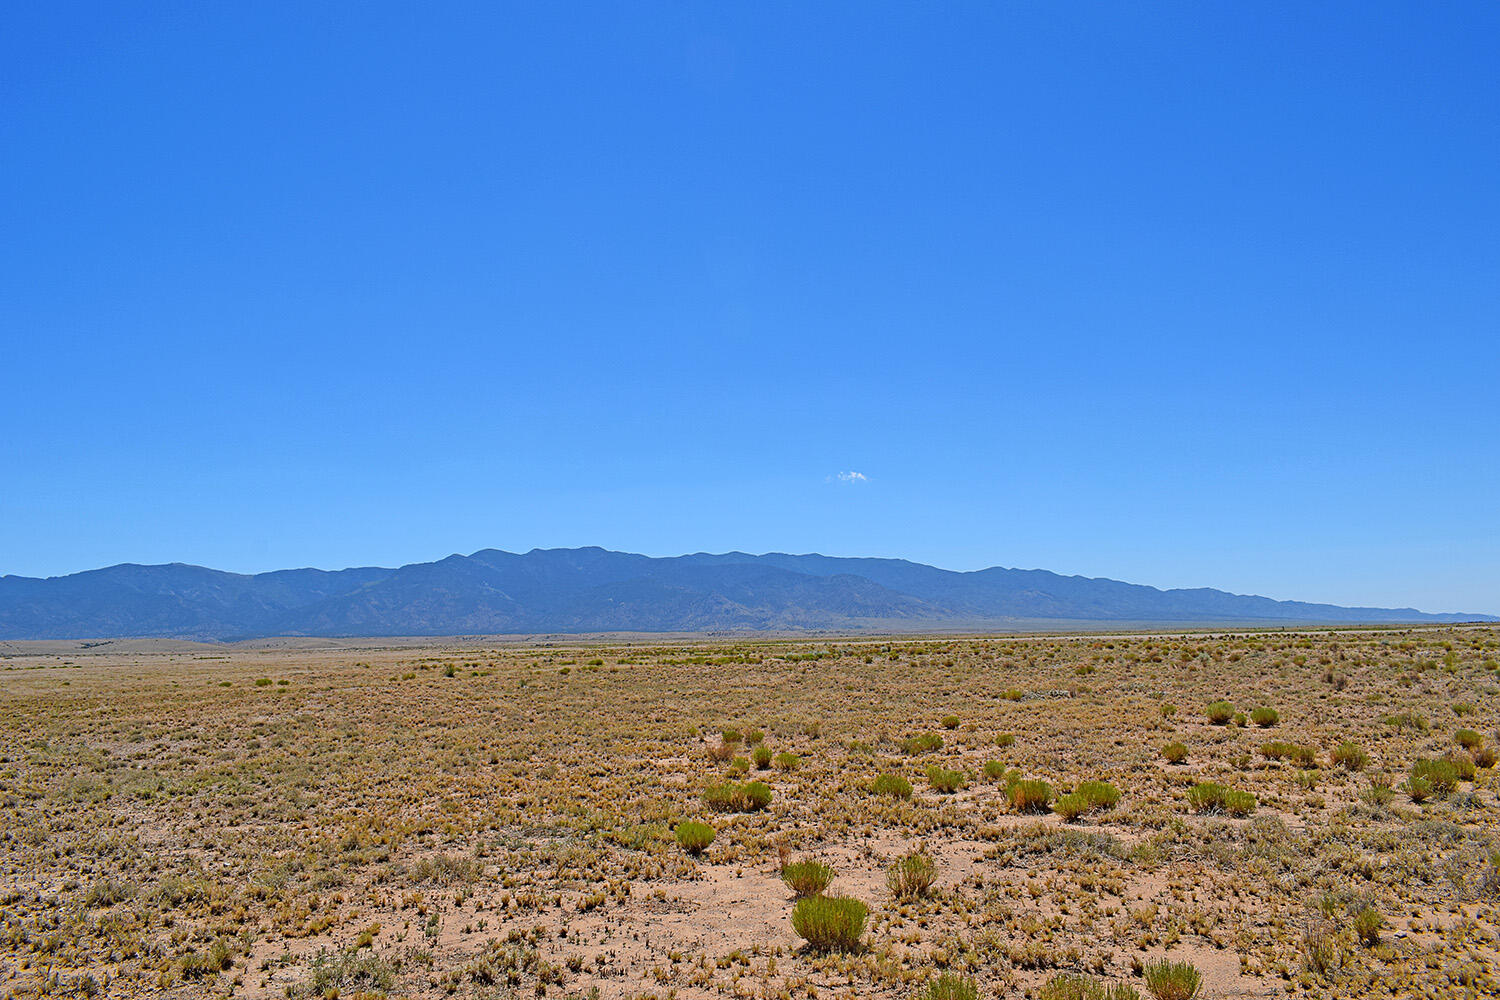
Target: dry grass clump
[1367, 924]
[911, 876]
[1350, 756]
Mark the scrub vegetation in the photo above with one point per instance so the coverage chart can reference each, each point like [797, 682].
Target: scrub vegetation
[1169, 816]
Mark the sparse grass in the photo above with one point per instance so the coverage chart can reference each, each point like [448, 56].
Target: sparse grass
[514, 829]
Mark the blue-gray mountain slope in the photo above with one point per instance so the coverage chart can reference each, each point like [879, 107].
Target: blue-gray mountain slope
[596, 590]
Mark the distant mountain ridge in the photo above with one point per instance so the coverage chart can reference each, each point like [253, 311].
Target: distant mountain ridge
[596, 590]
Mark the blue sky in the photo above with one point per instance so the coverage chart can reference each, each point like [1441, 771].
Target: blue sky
[1181, 294]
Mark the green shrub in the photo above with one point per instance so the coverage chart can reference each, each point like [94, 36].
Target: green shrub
[943, 780]
[694, 837]
[893, 785]
[993, 770]
[1379, 793]
[1442, 775]
[762, 757]
[754, 737]
[1212, 797]
[950, 986]
[1220, 712]
[1419, 789]
[758, 795]
[730, 796]
[1099, 794]
[1172, 980]
[830, 923]
[1005, 740]
[202, 964]
[1071, 806]
[1350, 756]
[1367, 924]
[1030, 796]
[1073, 986]
[950, 722]
[1468, 738]
[1295, 752]
[1265, 717]
[1088, 797]
[924, 743]
[911, 876]
[1407, 720]
[786, 761]
[806, 878]
[1174, 753]
[332, 972]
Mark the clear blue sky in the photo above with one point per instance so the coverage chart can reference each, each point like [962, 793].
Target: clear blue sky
[1183, 294]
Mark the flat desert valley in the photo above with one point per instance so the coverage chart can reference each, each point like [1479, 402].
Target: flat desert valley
[1236, 814]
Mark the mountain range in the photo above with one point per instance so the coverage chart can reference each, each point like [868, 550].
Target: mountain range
[596, 590]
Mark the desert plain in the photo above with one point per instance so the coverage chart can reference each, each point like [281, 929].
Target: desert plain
[1305, 813]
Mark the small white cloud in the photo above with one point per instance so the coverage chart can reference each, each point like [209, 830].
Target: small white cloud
[852, 477]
